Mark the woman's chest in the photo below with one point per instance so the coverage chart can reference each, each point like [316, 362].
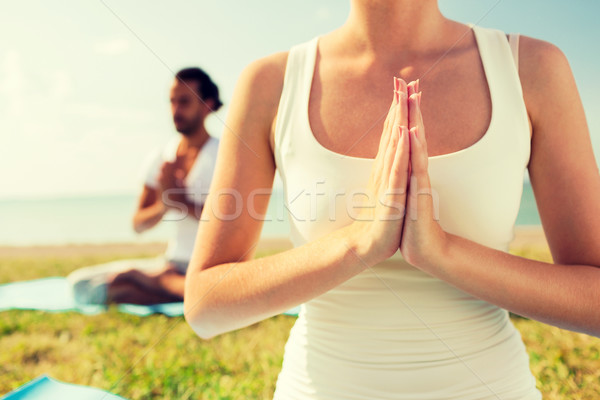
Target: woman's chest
[348, 107]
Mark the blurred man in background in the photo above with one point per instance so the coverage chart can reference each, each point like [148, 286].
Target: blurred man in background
[176, 182]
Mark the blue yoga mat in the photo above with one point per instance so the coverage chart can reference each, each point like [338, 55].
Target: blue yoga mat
[45, 388]
[54, 294]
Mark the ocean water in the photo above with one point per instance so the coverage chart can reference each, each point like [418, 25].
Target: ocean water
[107, 219]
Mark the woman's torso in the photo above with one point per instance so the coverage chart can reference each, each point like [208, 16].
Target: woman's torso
[393, 330]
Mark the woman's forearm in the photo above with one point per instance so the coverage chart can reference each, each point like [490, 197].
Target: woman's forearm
[234, 295]
[567, 296]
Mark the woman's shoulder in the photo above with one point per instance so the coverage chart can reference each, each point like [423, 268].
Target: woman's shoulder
[266, 73]
[264, 77]
[257, 95]
[540, 54]
[261, 82]
[543, 69]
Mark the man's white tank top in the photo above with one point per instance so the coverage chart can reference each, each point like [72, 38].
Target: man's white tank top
[393, 331]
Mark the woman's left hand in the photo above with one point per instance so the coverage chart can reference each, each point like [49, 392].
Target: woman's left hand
[423, 239]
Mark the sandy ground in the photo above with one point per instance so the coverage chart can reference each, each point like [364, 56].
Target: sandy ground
[524, 237]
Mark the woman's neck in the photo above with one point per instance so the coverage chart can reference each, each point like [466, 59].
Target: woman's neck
[390, 26]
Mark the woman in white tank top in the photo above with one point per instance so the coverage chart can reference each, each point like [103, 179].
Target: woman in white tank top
[402, 305]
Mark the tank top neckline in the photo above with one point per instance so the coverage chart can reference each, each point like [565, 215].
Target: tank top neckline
[170, 154]
[313, 48]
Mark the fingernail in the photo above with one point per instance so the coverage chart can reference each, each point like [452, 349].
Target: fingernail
[396, 84]
[402, 85]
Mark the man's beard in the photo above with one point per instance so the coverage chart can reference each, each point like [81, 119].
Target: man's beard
[186, 130]
[189, 128]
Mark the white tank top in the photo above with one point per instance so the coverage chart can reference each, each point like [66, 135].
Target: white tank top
[393, 331]
[197, 182]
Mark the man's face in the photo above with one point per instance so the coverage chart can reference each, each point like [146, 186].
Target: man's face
[186, 107]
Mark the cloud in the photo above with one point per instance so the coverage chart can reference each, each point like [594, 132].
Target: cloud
[112, 47]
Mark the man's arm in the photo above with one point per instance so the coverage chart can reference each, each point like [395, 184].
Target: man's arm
[150, 210]
[178, 199]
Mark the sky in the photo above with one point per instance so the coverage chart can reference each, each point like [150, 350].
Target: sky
[84, 83]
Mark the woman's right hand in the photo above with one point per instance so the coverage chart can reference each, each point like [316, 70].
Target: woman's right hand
[377, 227]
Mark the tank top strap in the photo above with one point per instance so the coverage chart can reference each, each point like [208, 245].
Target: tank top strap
[296, 90]
[513, 41]
[500, 65]
[497, 57]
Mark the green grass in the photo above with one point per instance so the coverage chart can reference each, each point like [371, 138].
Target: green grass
[157, 357]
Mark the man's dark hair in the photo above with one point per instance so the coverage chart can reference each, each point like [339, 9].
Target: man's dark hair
[207, 88]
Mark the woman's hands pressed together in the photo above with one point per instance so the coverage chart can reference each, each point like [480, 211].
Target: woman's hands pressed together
[378, 224]
[404, 213]
[423, 239]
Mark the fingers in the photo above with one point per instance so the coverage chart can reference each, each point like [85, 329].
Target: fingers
[179, 174]
[167, 168]
[398, 116]
[388, 160]
[413, 87]
[385, 135]
[397, 161]
[400, 85]
[401, 115]
[418, 153]
[399, 169]
[385, 139]
[422, 202]
[415, 117]
[390, 113]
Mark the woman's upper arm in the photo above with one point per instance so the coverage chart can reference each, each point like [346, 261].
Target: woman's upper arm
[240, 190]
[562, 168]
